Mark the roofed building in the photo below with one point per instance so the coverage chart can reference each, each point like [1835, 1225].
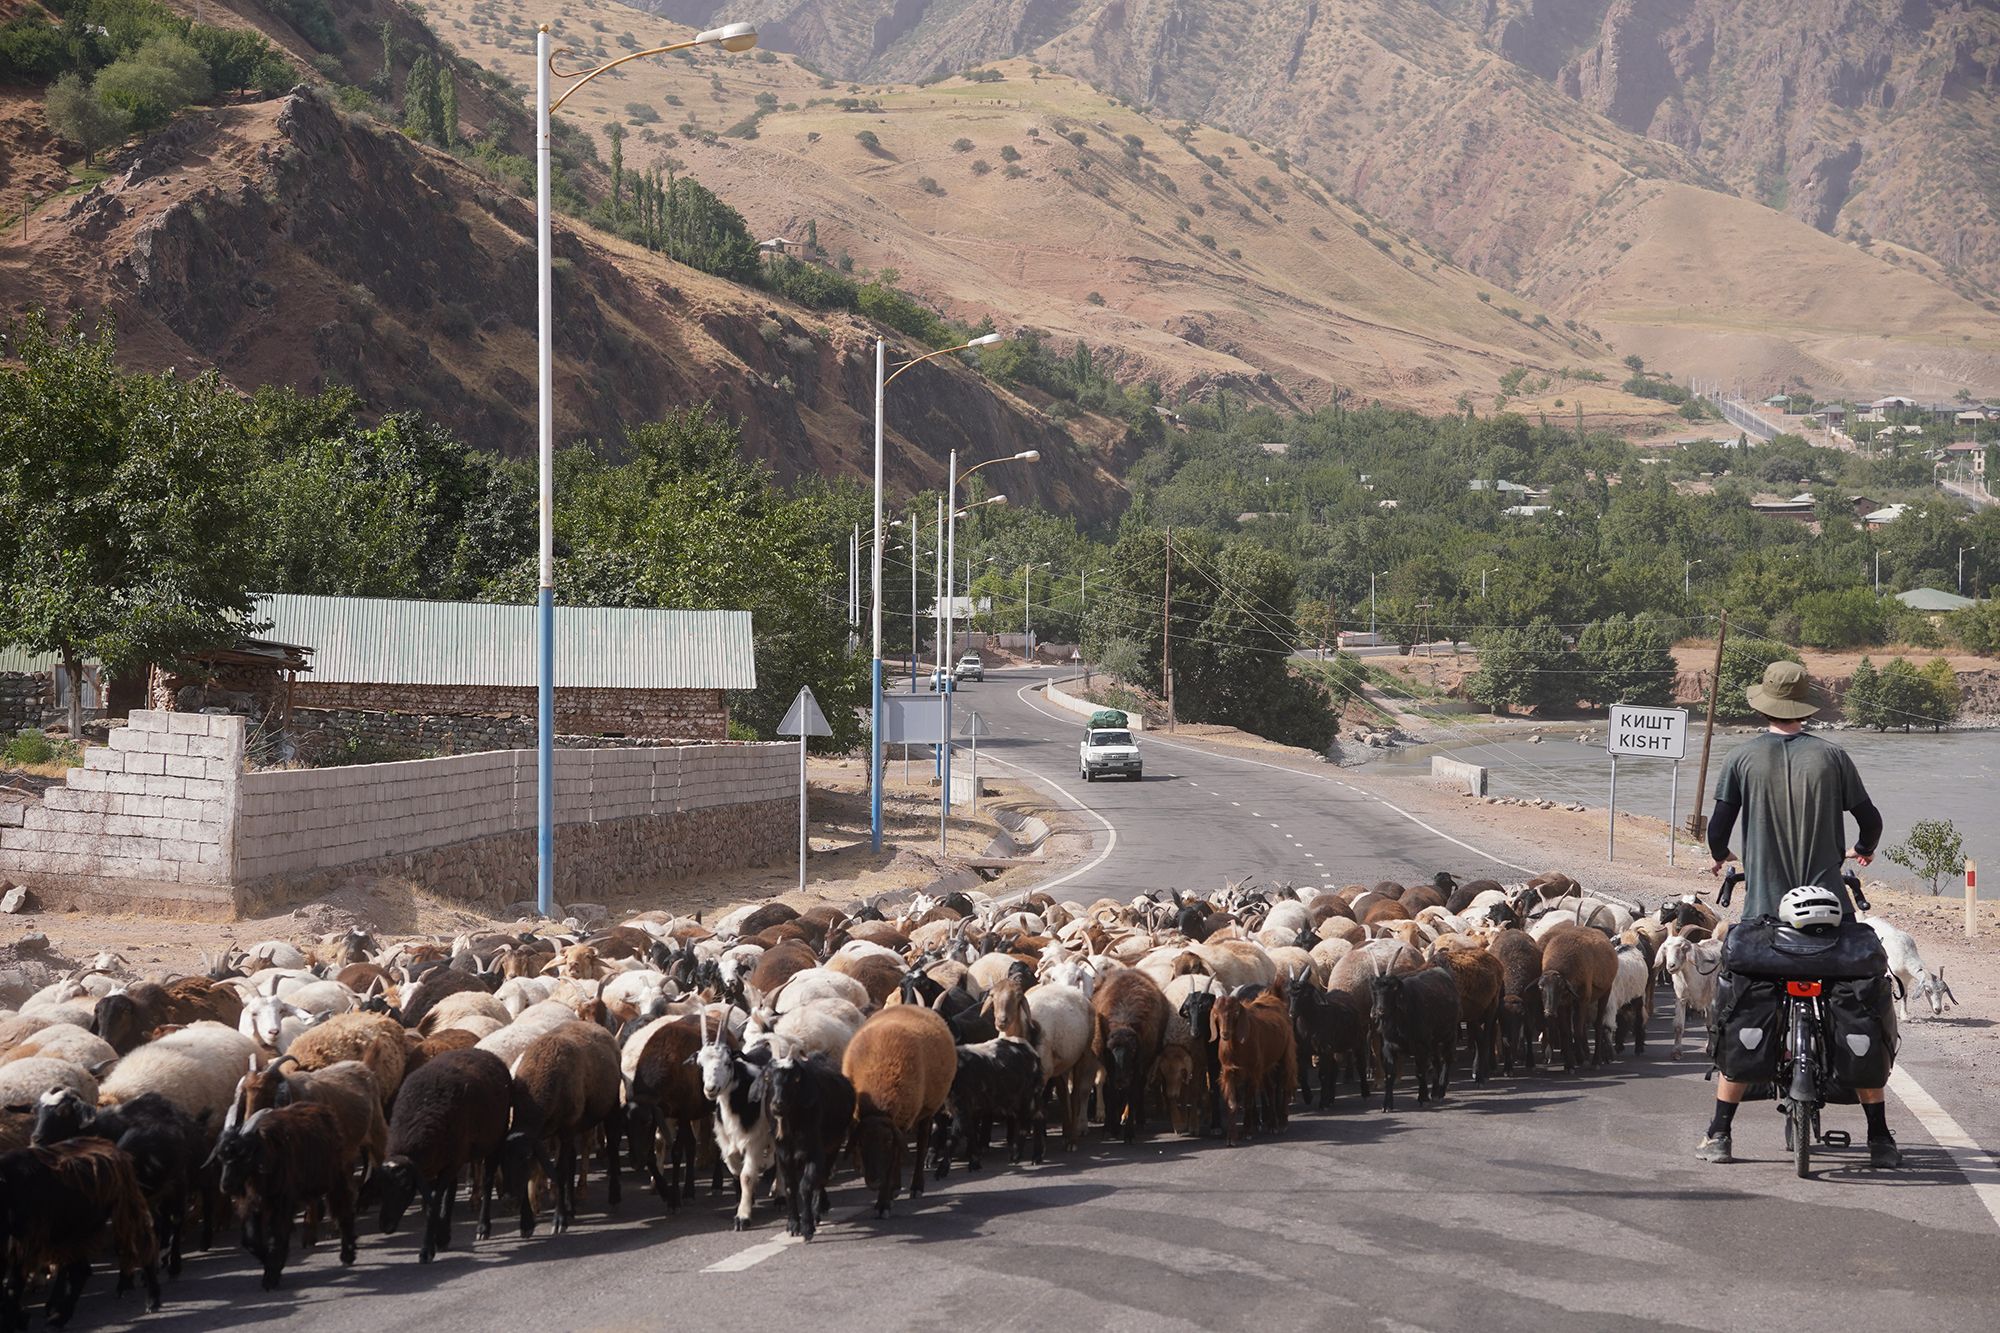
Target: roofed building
[619, 671]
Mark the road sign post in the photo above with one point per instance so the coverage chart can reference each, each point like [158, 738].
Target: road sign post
[1644, 733]
[803, 719]
[975, 727]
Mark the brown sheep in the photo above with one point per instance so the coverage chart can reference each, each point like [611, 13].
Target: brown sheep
[1482, 981]
[346, 1089]
[1325, 906]
[1260, 1061]
[1579, 965]
[776, 966]
[902, 1063]
[1462, 896]
[1419, 896]
[1384, 909]
[127, 1018]
[1131, 1027]
[764, 917]
[566, 1086]
[452, 1039]
[819, 922]
[663, 1100]
[376, 1040]
[1520, 956]
[876, 932]
[880, 974]
[617, 942]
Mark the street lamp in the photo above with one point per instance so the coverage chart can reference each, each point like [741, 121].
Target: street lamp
[1961, 567]
[735, 37]
[1482, 579]
[1687, 578]
[883, 378]
[1371, 598]
[1878, 571]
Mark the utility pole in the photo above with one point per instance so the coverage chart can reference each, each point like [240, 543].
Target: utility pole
[1697, 821]
[1166, 632]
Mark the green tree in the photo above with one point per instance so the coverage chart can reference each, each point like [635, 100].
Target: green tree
[122, 498]
[76, 113]
[1862, 704]
[615, 132]
[447, 109]
[159, 77]
[1841, 618]
[1625, 660]
[1526, 667]
[1941, 693]
[1905, 697]
[1934, 849]
[421, 104]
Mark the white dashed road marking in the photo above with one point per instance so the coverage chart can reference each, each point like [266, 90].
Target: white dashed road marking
[751, 1257]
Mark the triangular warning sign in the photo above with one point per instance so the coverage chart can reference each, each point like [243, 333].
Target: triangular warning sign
[804, 718]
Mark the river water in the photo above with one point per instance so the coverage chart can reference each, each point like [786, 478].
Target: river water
[1953, 775]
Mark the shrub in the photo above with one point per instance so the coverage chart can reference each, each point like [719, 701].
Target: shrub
[980, 166]
[162, 75]
[1009, 153]
[1844, 618]
[870, 140]
[812, 285]
[929, 185]
[78, 115]
[961, 145]
[31, 49]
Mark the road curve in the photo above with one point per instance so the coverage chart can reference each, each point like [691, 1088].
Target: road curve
[1546, 1202]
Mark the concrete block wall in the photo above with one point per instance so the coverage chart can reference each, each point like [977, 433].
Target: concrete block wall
[298, 821]
[155, 807]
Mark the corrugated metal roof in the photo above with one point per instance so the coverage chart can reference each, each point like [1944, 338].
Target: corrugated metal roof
[1933, 599]
[383, 641]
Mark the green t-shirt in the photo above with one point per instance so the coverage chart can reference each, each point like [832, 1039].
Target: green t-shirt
[1794, 791]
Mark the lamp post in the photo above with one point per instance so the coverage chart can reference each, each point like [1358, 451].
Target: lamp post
[1878, 572]
[1961, 567]
[734, 37]
[1026, 632]
[1482, 579]
[1371, 598]
[1687, 578]
[883, 378]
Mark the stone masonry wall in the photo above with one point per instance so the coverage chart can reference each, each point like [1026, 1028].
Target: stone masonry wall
[415, 735]
[684, 714]
[21, 699]
[148, 815]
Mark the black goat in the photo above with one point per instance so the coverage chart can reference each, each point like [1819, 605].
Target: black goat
[451, 1113]
[166, 1146]
[56, 1206]
[1416, 1014]
[996, 1080]
[284, 1159]
[1195, 1012]
[1333, 1026]
[812, 1107]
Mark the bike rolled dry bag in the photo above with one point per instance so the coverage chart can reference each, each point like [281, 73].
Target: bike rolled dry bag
[1861, 1022]
[1765, 947]
[1743, 1028]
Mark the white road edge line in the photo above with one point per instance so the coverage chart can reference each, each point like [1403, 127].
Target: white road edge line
[751, 1257]
[1974, 1162]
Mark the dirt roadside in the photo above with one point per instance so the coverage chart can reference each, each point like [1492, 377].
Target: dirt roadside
[840, 868]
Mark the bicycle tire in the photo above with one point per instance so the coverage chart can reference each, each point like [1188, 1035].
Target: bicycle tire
[1800, 1132]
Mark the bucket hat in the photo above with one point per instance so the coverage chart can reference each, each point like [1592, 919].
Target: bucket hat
[1785, 693]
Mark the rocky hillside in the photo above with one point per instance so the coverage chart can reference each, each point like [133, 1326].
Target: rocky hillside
[1493, 128]
[289, 242]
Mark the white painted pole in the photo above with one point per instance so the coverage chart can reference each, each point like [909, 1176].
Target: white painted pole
[545, 685]
[974, 802]
[1673, 808]
[802, 813]
[1971, 899]
[1611, 816]
[875, 602]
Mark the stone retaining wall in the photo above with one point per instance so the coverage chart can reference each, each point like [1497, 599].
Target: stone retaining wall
[693, 714]
[164, 816]
[21, 697]
[323, 731]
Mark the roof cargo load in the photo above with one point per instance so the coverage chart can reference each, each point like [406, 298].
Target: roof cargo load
[1107, 717]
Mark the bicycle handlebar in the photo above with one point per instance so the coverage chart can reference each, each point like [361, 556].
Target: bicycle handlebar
[1847, 877]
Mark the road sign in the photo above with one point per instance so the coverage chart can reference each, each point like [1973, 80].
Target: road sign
[804, 717]
[1647, 733]
[975, 727]
[913, 719]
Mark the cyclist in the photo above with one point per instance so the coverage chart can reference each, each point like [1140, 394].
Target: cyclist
[1791, 791]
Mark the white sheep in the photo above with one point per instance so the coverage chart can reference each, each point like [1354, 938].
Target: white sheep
[453, 1009]
[519, 994]
[277, 953]
[1908, 968]
[195, 1068]
[1694, 968]
[819, 983]
[823, 1027]
[1067, 1024]
[1632, 986]
[23, 1082]
[65, 1041]
[79, 986]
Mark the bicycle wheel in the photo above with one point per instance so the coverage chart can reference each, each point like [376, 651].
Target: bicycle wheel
[1800, 1131]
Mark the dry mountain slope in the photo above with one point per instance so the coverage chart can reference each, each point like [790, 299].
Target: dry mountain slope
[1500, 130]
[286, 242]
[1184, 255]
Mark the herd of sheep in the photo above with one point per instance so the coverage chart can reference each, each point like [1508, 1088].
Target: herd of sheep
[288, 1085]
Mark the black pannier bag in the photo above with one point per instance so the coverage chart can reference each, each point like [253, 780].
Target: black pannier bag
[1743, 1035]
[1765, 947]
[1861, 1018]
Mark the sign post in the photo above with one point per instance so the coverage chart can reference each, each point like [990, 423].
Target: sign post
[975, 727]
[1644, 733]
[803, 719]
[1971, 899]
[921, 719]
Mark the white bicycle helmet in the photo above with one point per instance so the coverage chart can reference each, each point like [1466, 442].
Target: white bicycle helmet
[1810, 908]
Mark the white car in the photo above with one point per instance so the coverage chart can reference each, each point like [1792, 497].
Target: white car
[970, 667]
[1109, 752]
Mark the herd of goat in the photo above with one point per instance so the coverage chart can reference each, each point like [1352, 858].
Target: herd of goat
[285, 1084]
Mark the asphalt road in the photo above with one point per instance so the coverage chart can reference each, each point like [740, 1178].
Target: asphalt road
[1548, 1201]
